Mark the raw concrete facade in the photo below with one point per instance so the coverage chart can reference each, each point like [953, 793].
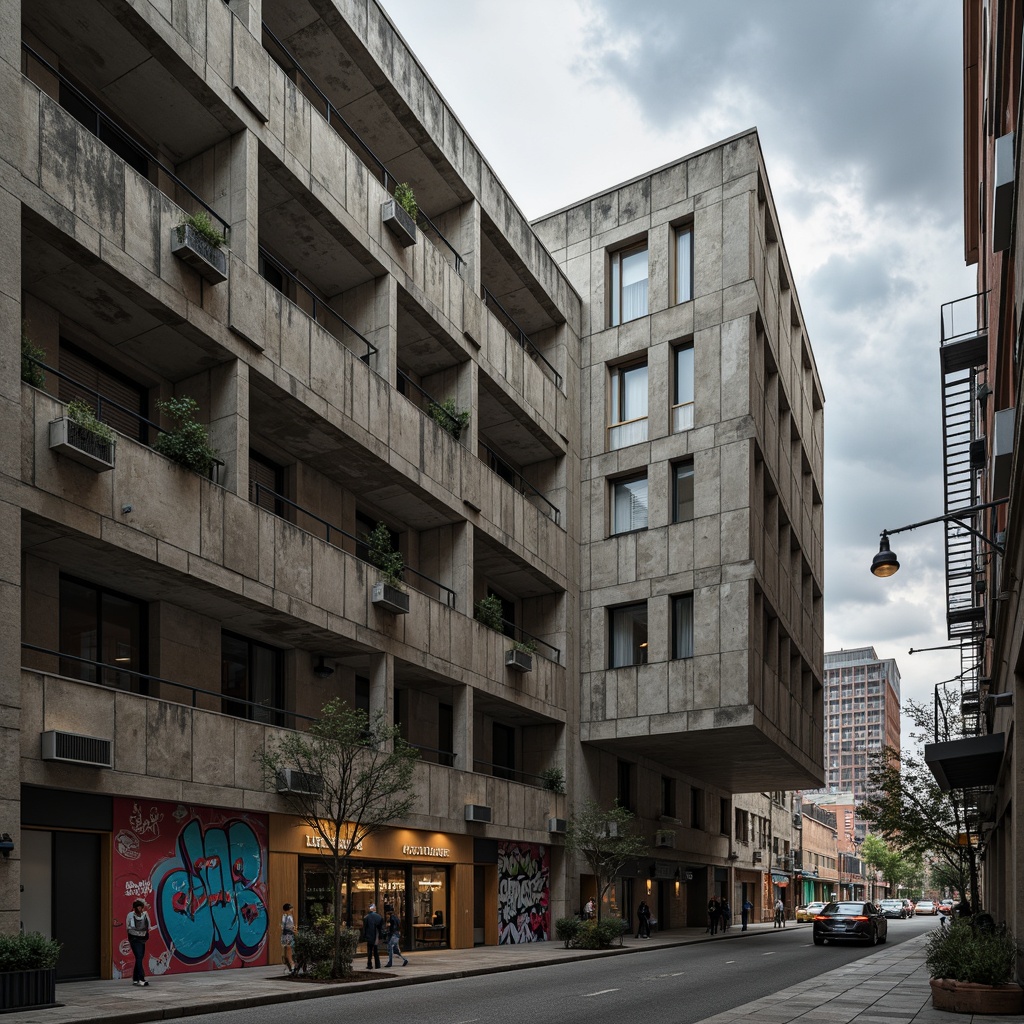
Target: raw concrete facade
[175, 621]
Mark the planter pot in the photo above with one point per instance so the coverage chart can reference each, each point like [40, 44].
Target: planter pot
[391, 599]
[73, 440]
[399, 223]
[25, 990]
[519, 661]
[205, 259]
[966, 997]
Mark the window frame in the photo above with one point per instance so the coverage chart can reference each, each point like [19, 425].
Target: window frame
[682, 294]
[677, 466]
[620, 482]
[618, 417]
[250, 711]
[615, 275]
[682, 415]
[639, 649]
[677, 602]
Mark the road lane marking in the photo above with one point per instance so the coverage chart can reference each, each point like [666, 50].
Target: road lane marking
[731, 961]
[603, 992]
[678, 974]
[772, 953]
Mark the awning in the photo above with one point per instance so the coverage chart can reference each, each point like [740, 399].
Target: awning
[780, 879]
[969, 763]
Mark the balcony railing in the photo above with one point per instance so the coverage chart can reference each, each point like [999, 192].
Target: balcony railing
[501, 771]
[131, 140]
[335, 119]
[273, 502]
[435, 755]
[512, 476]
[430, 405]
[520, 336]
[519, 635]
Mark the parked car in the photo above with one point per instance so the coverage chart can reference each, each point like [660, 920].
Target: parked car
[848, 921]
[926, 907]
[807, 913]
[908, 906]
[894, 908]
[946, 907]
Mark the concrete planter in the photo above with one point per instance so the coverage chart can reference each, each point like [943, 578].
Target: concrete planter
[519, 661]
[73, 440]
[399, 223]
[28, 990]
[391, 599]
[967, 997]
[204, 258]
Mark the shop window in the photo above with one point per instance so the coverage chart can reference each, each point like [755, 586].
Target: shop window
[629, 504]
[628, 284]
[628, 635]
[682, 388]
[628, 406]
[107, 630]
[252, 679]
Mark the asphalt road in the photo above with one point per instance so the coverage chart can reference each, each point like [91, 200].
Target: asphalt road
[678, 985]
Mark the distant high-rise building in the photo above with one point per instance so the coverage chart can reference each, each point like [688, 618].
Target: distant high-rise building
[862, 714]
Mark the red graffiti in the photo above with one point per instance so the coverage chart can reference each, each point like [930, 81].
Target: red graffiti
[207, 862]
[189, 903]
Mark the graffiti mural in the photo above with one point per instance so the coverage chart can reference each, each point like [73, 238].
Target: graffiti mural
[524, 878]
[203, 875]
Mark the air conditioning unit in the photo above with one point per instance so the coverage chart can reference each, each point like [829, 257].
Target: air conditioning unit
[291, 780]
[478, 812]
[557, 825]
[666, 840]
[758, 856]
[72, 748]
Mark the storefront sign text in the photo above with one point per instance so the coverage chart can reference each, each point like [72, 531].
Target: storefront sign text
[426, 851]
[319, 843]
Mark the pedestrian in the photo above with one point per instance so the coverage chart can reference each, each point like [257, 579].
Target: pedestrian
[780, 914]
[726, 911]
[138, 932]
[394, 929]
[588, 910]
[373, 927]
[745, 913]
[643, 921]
[714, 914]
[288, 939]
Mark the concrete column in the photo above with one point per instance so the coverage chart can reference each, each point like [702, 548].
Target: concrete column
[249, 13]
[461, 567]
[463, 728]
[382, 687]
[229, 423]
[466, 392]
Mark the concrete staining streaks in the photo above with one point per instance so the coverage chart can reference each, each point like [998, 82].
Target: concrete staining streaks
[524, 878]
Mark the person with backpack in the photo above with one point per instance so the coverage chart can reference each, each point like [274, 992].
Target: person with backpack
[137, 925]
[394, 935]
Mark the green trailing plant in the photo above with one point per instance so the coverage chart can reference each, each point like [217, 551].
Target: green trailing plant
[384, 557]
[554, 779]
[31, 356]
[526, 646]
[202, 224]
[406, 199]
[187, 442]
[448, 416]
[31, 952]
[967, 952]
[81, 412]
[488, 613]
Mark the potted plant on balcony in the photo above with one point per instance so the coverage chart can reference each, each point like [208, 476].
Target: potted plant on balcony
[28, 971]
[553, 780]
[972, 968]
[449, 416]
[519, 657]
[187, 442]
[81, 436]
[31, 357]
[198, 243]
[389, 591]
[400, 213]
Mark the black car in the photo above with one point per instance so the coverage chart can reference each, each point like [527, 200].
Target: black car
[849, 921]
[893, 908]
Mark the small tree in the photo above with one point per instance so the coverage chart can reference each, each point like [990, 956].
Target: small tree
[383, 556]
[488, 612]
[606, 840]
[358, 774]
[187, 442]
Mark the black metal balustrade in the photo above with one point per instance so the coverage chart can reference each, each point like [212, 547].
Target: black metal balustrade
[435, 755]
[516, 479]
[130, 140]
[336, 120]
[276, 502]
[520, 336]
[434, 409]
[501, 771]
[519, 635]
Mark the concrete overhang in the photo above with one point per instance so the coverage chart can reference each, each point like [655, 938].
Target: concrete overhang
[970, 763]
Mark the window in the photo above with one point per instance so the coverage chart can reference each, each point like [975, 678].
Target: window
[629, 406]
[682, 626]
[625, 785]
[266, 483]
[252, 680]
[629, 505]
[684, 264]
[629, 635]
[629, 284]
[101, 626]
[115, 398]
[682, 491]
[508, 614]
[682, 395]
[446, 734]
[668, 796]
[723, 815]
[503, 751]
[696, 807]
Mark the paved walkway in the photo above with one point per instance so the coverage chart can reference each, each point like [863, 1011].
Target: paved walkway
[890, 985]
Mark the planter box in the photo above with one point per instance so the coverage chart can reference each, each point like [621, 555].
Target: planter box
[399, 223]
[73, 440]
[25, 990]
[205, 259]
[391, 599]
[519, 661]
[966, 997]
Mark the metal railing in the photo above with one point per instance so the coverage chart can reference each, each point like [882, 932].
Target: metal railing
[131, 140]
[275, 716]
[445, 758]
[518, 481]
[519, 635]
[319, 305]
[337, 121]
[964, 317]
[520, 336]
[330, 531]
[501, 771]
[436, 410]
[100, 400]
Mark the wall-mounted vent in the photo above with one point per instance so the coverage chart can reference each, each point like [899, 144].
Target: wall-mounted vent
[557, 825]
[478, 812]
[1002, 193]
[291, 780]
[72, 748]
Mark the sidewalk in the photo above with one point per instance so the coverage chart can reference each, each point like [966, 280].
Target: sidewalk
[894, 975]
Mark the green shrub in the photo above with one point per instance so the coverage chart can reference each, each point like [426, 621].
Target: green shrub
[202, 224]
[566, 930]
[600, 934]
[31, 372]
[968, 953]
[31, 952]
[554, 779]
[383, 556]
[81, 412]
[187, 442]
[314, 948]
[406, 199]
[447, 415]
[488, 612]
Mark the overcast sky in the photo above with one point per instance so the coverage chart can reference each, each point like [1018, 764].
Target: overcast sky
[859, 110]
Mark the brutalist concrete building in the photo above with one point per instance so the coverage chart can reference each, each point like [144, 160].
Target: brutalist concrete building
[609, 423]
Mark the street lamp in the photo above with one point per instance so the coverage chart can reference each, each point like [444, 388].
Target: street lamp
[885, 563]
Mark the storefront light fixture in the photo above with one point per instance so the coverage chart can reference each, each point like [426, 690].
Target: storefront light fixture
[885, 563]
